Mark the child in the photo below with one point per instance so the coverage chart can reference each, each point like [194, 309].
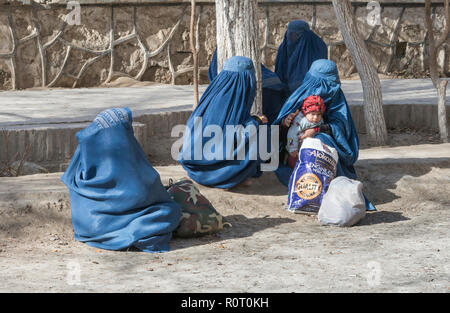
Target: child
[312, 110]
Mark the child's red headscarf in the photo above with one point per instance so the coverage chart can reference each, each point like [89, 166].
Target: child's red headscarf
[313, 104]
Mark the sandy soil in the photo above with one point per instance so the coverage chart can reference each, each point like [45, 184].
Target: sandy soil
[403, 247]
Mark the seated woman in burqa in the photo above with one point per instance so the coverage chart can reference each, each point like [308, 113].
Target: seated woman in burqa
[117, 199]
[274, 91]
[339, 131]
[217, 150]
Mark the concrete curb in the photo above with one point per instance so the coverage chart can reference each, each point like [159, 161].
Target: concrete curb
[52, 145]
[47, 192]
[413, 116]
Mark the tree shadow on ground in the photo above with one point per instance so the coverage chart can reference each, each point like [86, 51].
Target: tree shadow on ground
[241, 227]
[382, 217]
[258, 186]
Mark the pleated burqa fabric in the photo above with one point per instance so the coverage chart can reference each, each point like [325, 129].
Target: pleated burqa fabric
[299, 49]
[274, 91]
[226, 103]
[116, 196]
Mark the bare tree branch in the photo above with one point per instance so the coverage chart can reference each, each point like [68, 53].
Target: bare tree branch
[194, 52]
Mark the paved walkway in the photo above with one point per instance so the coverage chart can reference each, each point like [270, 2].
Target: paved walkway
[28, 107]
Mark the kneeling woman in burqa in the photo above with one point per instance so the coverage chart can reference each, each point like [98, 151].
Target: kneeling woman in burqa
[117, 199]
[223, 108]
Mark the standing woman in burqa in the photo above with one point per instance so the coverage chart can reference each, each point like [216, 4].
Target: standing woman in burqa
[339, 131]
[226, 102]
[299, 49]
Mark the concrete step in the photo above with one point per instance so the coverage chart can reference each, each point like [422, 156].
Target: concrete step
[414, 154]
[46, 191]
[53, 145]
[49, 119]
[49, 145]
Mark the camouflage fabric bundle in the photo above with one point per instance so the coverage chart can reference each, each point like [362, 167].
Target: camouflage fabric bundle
[198, 214]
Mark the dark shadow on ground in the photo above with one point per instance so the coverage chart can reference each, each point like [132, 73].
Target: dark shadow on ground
[241, 227]
[258, 186]
[382, 217]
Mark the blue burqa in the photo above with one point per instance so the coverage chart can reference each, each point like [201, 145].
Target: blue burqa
[299, 49]
[274, 91]
[212, 70]
[323, 80]
[225, 103]
[116, 196]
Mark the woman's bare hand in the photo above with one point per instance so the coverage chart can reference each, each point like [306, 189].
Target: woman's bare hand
[309, 133]
[288, 120]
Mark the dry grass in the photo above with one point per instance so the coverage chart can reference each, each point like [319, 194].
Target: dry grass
[7, 169]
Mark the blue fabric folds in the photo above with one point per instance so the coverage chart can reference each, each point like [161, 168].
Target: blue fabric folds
[212, 70]
[322, 79]
[117, 198]
[225, 103]
[274, 91]
[299, 49]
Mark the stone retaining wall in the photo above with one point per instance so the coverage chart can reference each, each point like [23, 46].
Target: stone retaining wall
[148, 40]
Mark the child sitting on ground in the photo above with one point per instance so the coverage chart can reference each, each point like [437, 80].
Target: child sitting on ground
[312, 110]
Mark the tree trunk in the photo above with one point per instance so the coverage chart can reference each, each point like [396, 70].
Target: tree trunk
[433, 47]
[238, 35]
[194, 53]
[442, 114]
[373, 102]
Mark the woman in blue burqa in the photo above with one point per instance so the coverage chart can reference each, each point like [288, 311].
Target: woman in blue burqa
[212, 153]
[117, 199]
[274, 91]
[299, 49]
[339, 131]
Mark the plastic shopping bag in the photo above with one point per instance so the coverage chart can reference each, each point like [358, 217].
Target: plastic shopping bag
[343, 204]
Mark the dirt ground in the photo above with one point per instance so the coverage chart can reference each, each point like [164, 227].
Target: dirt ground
[402, 247]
